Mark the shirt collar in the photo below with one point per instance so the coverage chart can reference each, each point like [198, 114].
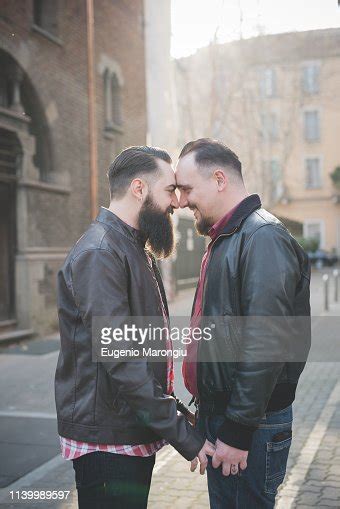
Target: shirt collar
[217, 228]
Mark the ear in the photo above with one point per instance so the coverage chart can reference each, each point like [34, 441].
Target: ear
[221, 179]
[138, 189]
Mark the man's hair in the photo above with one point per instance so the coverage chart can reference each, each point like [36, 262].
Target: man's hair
[131, 163]
[211, 153]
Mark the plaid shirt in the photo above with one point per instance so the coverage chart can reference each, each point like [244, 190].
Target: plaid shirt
[73, 449]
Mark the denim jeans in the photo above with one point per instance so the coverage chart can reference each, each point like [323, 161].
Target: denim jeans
[108, 481]
[255, 487]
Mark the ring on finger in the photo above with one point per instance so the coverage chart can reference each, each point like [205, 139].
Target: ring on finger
[234, 469]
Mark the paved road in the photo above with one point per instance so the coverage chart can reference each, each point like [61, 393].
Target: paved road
[27, 426]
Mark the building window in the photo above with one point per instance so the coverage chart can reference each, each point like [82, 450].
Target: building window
[190, 242]
[270, 130]
[45, 15]
[113, 102]
[314, 230]
[312, 125]
[313, 172]
[116, 101]
[310, 78]
[268, 83]
[273, 175]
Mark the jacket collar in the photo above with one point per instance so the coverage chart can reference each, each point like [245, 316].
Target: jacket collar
[110, 219]
[245, 208]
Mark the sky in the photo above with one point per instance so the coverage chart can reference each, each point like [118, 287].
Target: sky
[197, 22]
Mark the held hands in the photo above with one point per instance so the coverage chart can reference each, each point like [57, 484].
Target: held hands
[208, 449]
[232, 460]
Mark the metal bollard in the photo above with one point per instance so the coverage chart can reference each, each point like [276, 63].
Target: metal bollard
[336, 285]
[325, 279]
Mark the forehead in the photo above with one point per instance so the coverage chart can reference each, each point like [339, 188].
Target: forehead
[167, 175]
[186, 169]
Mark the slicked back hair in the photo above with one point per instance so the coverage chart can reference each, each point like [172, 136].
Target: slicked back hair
[131, 163]
[210, 153]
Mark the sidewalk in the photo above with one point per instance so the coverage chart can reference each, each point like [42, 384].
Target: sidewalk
[313, 478]
[314, 464]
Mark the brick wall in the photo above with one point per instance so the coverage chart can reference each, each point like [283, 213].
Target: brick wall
[58, 73]
[56, 69]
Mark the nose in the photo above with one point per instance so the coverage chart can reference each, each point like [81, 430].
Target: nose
[174, 202]
[183, 202]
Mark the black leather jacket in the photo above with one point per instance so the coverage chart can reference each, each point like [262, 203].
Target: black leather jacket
[107, 274]
[256, 268]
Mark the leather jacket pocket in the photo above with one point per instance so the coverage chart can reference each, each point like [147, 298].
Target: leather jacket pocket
[232, 335]
[121, 407]
[276, 463]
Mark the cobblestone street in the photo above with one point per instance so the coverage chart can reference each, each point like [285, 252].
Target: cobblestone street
[313, 478]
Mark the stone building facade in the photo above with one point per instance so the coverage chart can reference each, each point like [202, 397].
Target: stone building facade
[275, 100]
[44, 136]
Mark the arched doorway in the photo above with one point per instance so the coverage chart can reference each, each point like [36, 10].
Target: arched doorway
[10, 157]
[25, 162]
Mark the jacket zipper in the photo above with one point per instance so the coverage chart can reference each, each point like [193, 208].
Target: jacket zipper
[214, 241]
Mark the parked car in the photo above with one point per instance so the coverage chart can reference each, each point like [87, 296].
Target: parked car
[321, 258]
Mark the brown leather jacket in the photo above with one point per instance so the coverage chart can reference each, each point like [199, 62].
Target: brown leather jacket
[107, 274]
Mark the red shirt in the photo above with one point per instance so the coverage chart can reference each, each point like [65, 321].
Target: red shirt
[189, 367]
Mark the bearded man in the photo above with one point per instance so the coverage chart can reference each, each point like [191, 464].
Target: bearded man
[114, 416]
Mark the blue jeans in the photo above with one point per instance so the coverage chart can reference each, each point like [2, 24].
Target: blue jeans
[255, 487]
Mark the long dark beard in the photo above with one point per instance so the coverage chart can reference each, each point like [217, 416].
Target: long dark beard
[157, 227]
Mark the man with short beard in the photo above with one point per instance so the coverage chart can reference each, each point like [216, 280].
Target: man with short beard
[254, 286]
[114, 416]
